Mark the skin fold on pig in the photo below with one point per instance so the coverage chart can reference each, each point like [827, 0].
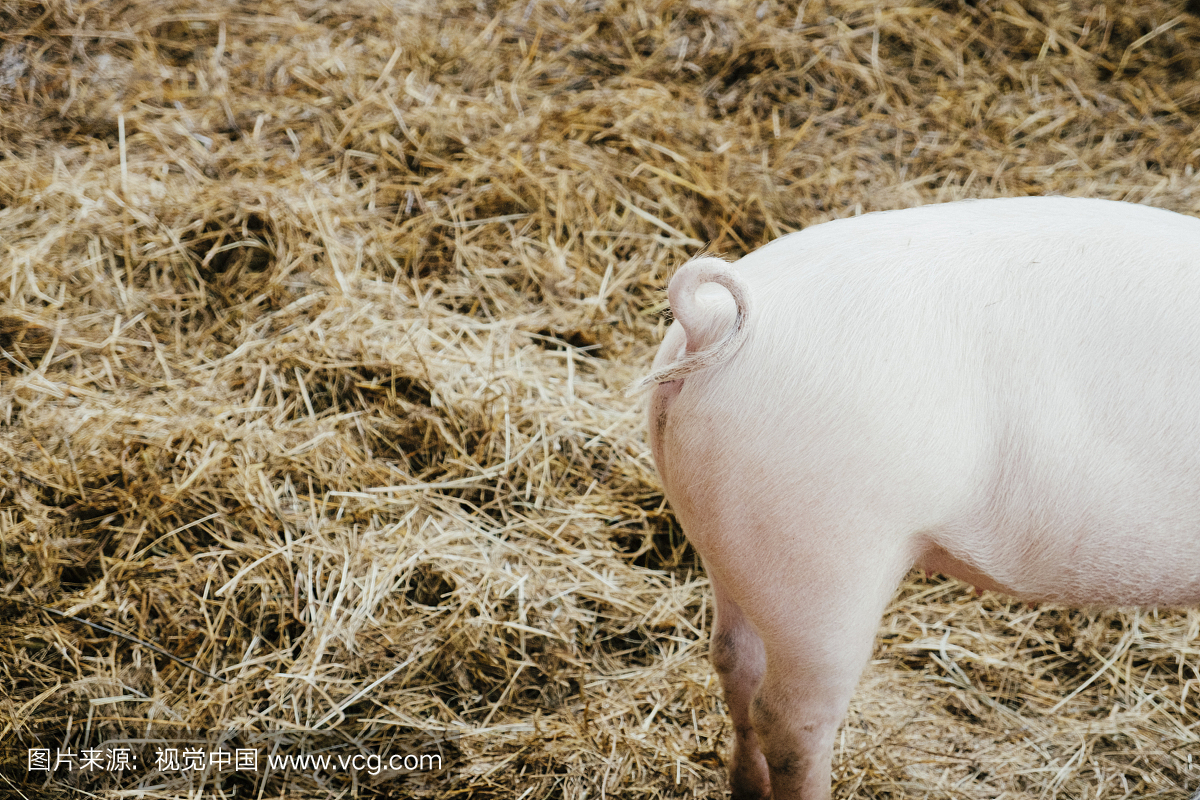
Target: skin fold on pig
[1004, 391]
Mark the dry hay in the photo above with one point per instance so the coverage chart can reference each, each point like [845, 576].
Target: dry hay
[316, 318]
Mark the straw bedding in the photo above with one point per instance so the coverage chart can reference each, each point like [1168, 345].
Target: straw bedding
[316, 319]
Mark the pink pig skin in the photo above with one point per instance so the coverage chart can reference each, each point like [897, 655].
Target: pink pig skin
[1005, 391]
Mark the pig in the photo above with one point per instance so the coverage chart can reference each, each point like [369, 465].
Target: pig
[1004, 391]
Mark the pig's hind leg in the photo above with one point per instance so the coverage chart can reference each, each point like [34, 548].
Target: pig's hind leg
[738, 656]
[817, 628]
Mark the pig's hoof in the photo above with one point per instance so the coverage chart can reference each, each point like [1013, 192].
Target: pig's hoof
[745, 787]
